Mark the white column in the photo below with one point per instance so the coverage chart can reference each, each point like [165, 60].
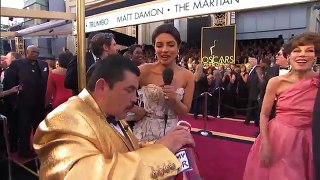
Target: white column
[182, 26]
[71, 44]
[176, 23]
[184, 29]
[312, 16]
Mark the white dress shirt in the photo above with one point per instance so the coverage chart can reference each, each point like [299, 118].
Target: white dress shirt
[252, 69]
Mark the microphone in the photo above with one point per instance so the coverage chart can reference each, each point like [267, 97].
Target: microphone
[167, 76]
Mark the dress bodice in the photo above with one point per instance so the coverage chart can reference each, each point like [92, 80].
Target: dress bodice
[153, 99]
[295, 105]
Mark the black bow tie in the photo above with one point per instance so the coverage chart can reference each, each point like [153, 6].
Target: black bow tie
[286, 68]
[112, 120]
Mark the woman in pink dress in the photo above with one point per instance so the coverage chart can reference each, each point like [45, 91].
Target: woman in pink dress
[283, 150]
[56, 92]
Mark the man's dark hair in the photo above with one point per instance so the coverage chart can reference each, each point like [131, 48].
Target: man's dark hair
[133, 47]
[284, 53]
[147, 48]
[64, 59]
[111, 69]
[98, 41]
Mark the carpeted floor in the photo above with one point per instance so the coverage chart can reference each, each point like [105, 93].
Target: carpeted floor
[221, 159]
[223, 125]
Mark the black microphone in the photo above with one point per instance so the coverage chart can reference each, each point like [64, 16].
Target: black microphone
[167, 76]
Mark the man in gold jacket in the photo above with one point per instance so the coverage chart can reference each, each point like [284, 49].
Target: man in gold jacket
[75, 141]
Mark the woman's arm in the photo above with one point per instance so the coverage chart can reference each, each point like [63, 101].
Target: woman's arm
[139, 112]
[270, 95]
[232, 78]
[182, 107]
[50, 89]
[10, 91]
[245, 77]
[267, 104]
[209, 78]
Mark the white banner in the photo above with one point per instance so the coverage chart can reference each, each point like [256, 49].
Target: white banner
[173, 9]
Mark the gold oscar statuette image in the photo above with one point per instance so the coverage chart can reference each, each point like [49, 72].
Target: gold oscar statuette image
[211, 48]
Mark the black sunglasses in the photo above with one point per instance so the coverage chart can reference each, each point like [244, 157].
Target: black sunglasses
[108, 35]
[279, 54]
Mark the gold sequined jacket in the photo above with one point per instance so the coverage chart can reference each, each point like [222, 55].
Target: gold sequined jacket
[76, 142]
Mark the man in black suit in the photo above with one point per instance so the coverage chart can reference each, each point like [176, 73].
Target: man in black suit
[9, 102]
[101, 45]
[31, 74]
[253, 84]
[281, 67]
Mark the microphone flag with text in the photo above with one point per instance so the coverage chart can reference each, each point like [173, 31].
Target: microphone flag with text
[189, 162]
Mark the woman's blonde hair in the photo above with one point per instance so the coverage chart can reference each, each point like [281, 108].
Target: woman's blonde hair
[198, 72]
[217, 74]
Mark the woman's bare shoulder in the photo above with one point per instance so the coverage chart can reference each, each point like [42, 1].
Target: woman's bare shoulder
[146, 67]
[184, 70]
[275, 82]
[186, 75]
[58, 71]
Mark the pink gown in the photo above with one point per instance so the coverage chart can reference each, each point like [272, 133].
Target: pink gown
[290, 137]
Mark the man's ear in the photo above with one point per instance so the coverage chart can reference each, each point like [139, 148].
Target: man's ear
[106, 48]
[100, 85]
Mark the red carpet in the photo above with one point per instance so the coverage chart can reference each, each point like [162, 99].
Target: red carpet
[223, 125]
[221, 159]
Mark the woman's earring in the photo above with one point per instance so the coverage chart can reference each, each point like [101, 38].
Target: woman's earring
[289, 66]
[314, 64]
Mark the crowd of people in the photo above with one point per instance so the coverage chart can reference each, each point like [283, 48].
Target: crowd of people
[74, 136]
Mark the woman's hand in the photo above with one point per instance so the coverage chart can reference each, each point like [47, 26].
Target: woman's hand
[170, 92]
[139, 112]
[233, 77]
[266, 155]
[15, 89]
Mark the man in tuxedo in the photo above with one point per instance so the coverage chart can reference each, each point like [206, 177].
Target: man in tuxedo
[31, 74]
[101, 45]
[253, 84]
[280, 68]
